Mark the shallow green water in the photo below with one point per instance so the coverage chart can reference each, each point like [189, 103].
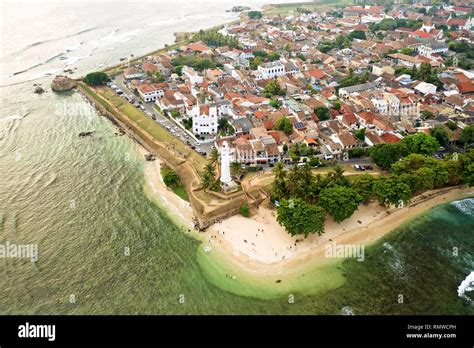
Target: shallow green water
[82, 200]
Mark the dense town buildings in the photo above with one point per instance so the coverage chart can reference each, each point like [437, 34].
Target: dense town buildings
[330, 82]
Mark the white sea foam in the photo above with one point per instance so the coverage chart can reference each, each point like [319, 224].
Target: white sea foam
[396, 263]
[465, 206]
[466, 285]
[14, 117]
[11, 118]
[347, 311]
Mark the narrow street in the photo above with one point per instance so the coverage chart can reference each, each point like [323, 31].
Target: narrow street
[162, 119]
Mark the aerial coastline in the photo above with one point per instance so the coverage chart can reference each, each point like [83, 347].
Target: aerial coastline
[283, 160]
[259, 243]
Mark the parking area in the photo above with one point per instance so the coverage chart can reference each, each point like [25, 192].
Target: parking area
[120, 88]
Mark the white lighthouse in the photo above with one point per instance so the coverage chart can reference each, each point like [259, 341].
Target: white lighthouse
[225, 164]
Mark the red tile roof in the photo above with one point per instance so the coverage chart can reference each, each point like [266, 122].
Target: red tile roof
[390, 138]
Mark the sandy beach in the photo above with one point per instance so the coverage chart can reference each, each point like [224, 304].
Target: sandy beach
[174, 204]
[260, 245]
[260, 242]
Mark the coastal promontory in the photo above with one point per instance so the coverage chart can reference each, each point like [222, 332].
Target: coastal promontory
[63, 83]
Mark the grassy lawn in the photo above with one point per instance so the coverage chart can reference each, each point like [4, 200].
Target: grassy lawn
[281, 9]
[180, 191]
[156, 130]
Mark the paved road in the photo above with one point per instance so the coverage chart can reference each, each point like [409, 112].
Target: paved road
[160, 118]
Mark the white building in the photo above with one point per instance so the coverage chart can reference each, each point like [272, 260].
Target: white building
[272, 69]
[205, 119]
[428, 49]
[192, 75]
[425, 88]
[225, 163]
[150, 92]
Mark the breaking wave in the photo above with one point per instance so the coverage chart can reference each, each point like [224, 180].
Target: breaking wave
[465, 206]
[467, 285]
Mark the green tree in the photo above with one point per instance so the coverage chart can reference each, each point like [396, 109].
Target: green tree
[255, 14]
[245, 210]
[467, 167]
[284, 124]
[215, 39]
[407, 50]
[453, 169]
[383, 155]
[340, 202]
[273, 88]
[467, 136]
[421, 143]
[299, 183]
[96, 78]
[364, 186]
[208, 177]
[412, 163]
[236, 168]
[214, 156]
[276, 103]
[170, 177]
[440, 134]
[322, 112]
[336, 105]
[360, 134]
[422, 179]
[357, 34]
[392, 190]
[335, 177]
[299, 217]
[279, 190]
[342, 42]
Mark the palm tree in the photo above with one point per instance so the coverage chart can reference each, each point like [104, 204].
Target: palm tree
[280, 189]
[336, 177]
[235, 168]
[214, 156]
[208, 176]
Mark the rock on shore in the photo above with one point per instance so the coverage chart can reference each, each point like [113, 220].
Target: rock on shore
[63, 83]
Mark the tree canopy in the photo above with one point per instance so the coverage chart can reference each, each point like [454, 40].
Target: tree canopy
[255, 14]
[273, 88]
[284, 124]
[322, 112]
[299, 217]
[170, 178]
[215, 39]
[96, 78]
[392, 190]
[340, 202]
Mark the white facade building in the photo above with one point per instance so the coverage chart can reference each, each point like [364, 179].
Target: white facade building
[205, 119]
[272, 70]
[150, 92]
[192, 75]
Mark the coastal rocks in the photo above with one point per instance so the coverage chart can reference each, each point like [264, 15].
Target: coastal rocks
[239, 9]
[39, 90]
[149, 157]
[63, 84]
[85, 134]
